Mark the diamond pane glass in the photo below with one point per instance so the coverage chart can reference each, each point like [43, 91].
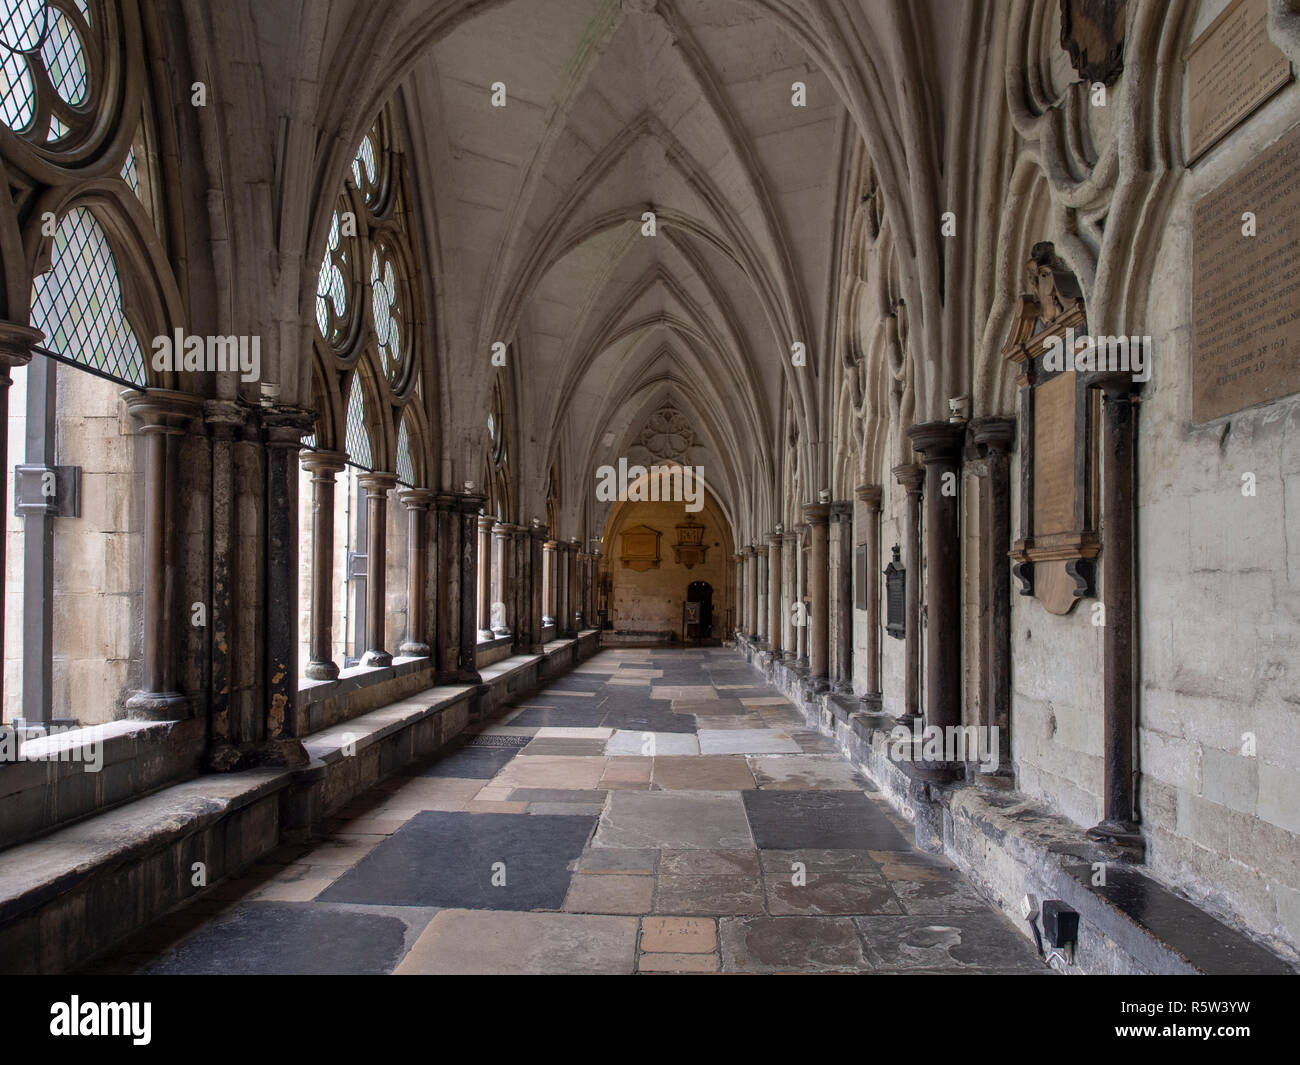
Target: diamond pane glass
[331, 291]
[358, 438]
[65, 59]
[17, 92]
[365, 168]
[386, 312]
[405, 467]
[22, 24]
[130, 172]
[78, 302]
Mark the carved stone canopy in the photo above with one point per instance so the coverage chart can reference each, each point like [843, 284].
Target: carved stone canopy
[690, 548]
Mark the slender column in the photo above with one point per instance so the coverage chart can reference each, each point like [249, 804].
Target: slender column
[869, 535]
[912, 478]
[322, 465]
[994, 438]
[377, 486]
[283, 428]
[563, 562]
[789, 548]
[801, 596]
[816, 515]
[541, 558]
[584, 586]
[549, 562]
[774, 594]
[520, 586]
[483, 578]
[751, 597]
[760, 595]
[164, 414]
[457, 628]
[576, 622]
[738, 625]
[940, 444]
[416, 501]
[225, 420]
[500, 614]
[468, 505]
[842, 571]
[1118, 454]
[15, 350]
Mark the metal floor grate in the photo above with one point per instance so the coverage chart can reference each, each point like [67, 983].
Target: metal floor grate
[498, 741]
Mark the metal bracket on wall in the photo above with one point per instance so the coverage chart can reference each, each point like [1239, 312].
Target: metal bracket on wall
[53, 490]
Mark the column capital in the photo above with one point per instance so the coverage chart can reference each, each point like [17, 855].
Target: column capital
[549, 545]
[162, 410]
[464, 502]
[994, 435]
[816, 513]
[16, 343]
[911, 476]
[224, 417]
[323, 462]
[774, 539]
[739, 556]
[841, 511]
[285, 426]
[377, 481]
[790, 536]
[416, 498]
[870, 494]
[745, 551]
[938, 441]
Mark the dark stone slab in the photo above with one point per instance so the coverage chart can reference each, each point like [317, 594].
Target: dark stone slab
[1206, 943]
[791, 944]
[956, 942]
[794, 820]
[572, 795]
[446, 859]
[584, 716]
[662, 720]
[279, 938]
[470, 763]
[571, 748]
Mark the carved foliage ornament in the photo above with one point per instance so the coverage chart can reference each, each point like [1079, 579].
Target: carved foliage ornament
[668, 435]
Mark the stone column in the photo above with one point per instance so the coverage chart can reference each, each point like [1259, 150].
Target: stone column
[842, 572]
[940, 443]
[225, 420]
[521, 586]
[377, 487]
[416, 501]
[283, 428]
[760, 595]
[1118, 455]
[575, 586]
[483, 579]
[500, 611]
[774, 594]
[541, 558]
[163, 416]
[869, 534]
[16, 343]
[564, 615]
[322, 465]
[751, 594]
[994, 438]
[549, 561]
[789, 549]
[739, 624]
[912, 478]
[816, 515]
[801, 597]
[457, 629]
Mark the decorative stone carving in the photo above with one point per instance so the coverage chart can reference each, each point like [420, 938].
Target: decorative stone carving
[640, 548]
[1092, 31]
[667, 435]
[689, 549]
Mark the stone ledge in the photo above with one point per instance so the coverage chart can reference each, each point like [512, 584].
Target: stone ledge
[358, 690]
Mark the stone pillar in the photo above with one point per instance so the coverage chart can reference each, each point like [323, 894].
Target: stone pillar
[869, 534]
[483, 579]
[816, 515]
[774, 594]
[575, 586]
[416, 501]
[789, 549]
[500, 610]
[564, 613]
[540, 558]
[751, 593]
[163, 416]
[1118, 475]
[739, 624]
[940, 443]
[283, 428]
[549, 560]
[457, 629]
[322, 465]
[760, 595]
[801, 597]
[912, 478]
[377, 486]
[521, 603]
[16, 343]
[225, 420]
[994, 438]
[841, 571]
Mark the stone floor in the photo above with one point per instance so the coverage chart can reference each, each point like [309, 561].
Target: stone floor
[651, 811]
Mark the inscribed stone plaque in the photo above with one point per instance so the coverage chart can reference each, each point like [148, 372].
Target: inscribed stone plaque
[1054, 438]
[1232, 68]
[1246, 290]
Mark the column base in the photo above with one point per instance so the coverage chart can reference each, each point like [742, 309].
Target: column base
[376, 659]
[225, 758]
[1121, 834]
[498, 634]
[319, 670]
[287, 752]
[484, 635]
[842, 687]
[871, 703]
[157, 706]
[817, 685]
[414, 650]
[999, 779]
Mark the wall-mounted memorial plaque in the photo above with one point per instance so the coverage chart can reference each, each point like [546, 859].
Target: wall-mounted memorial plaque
[1246, 289]
[1232, 68]
[896, 598]
[1053, 558]
[640, 548]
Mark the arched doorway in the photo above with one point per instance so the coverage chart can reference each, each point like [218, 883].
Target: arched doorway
[698, 612]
